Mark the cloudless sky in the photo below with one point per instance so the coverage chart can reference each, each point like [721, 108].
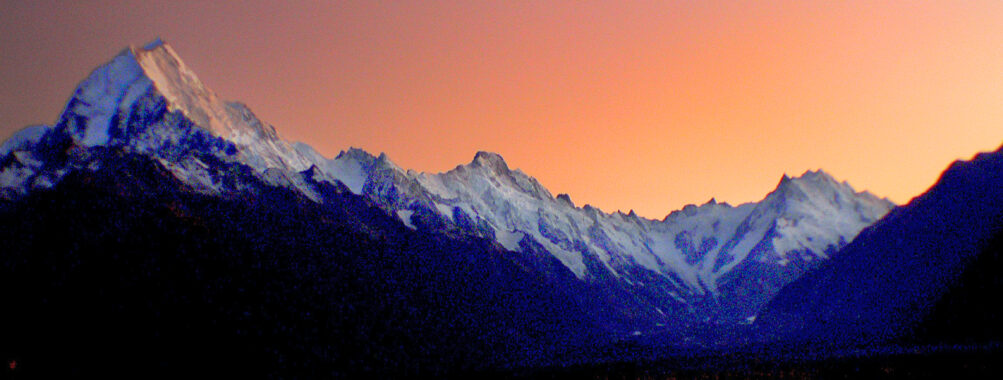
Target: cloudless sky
[623, 105]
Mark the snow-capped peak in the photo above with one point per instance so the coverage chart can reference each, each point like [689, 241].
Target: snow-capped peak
[153, 44]
[811, 182]
[147, 100]
[182, 88]
[816, 213]
[490, 160]
[232, 121]
[115, 104]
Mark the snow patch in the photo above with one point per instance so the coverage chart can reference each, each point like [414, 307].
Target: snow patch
[445, 210]
[405, 216]
[98, 98]
[349, 172]
[508, 239]
[24, 139]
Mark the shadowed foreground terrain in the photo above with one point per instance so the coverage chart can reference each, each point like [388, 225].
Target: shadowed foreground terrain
[126, 275]
[961, 362]
[960, 337]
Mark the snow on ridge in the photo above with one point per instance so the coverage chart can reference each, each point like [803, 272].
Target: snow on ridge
[233, 121]
[691, 243]
[831, 215]
[24, 138]
[106, 91]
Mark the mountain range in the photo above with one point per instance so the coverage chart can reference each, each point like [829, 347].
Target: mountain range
[714, 260]
[152, 189]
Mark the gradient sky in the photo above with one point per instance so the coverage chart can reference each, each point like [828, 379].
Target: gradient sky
[646, 106]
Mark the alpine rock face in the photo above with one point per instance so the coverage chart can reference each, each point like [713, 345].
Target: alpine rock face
[709, 262]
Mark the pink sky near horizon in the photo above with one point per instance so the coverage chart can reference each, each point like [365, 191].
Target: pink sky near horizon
[643, 105]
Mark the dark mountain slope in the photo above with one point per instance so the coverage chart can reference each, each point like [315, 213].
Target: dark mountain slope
[881, 286]
[123, 272]
[969, 312]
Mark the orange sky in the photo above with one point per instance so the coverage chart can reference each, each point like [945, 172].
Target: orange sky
[647, 106]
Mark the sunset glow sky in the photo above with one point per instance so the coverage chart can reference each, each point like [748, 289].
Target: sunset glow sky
[645, 106]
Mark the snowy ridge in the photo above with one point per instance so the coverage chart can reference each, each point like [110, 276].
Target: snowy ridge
[147, 101]
[260, 144]
[812, 214]
[24, 139]
[715, 258]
